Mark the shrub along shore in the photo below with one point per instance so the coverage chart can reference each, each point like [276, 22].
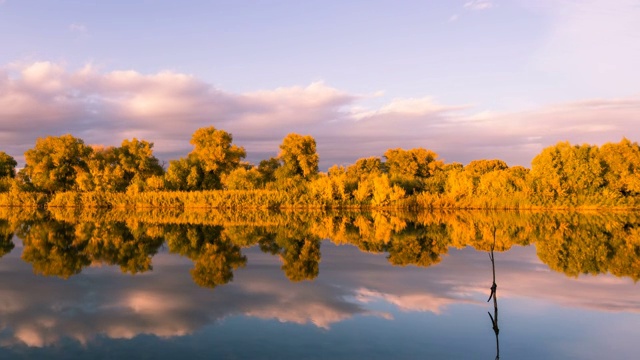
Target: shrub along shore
[264, 199]
[63, 172]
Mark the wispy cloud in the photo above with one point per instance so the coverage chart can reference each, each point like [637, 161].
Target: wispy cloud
[478, 5]
[45, 98]
[79, 29]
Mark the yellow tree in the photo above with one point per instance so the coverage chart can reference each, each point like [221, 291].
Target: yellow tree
[214, 155]
[298, 156]
[622, 162]
[104, 172]
[7, 171]
[137, 160]
[7, 165]
[409, 168]
[566, 172]
[362, 170]
[54, 163]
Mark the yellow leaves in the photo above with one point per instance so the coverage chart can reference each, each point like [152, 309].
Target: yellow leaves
[242, 179]
[7, 165]
[54, 162]
[384, 193]
[298, 154]
[214, 150]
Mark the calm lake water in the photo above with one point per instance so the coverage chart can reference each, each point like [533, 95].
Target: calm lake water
[311, 285]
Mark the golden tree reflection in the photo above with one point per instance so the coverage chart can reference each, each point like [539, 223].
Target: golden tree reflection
[6, 238]
[214, 255]
[63, 242]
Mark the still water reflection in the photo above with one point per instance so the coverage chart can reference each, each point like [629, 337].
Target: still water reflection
[318, 285]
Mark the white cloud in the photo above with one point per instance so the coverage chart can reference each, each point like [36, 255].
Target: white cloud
[478, 5]
[45, 98]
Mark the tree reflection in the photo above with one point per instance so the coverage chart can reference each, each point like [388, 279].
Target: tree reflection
[215, 264]
[214, 255]
[53, 249]
[6, 238]
[60, 248]
[301, 259]
[577, 244]
[421, 245]
[62, 243]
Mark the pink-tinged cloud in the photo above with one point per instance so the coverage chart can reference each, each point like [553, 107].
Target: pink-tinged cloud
[478, 5]
[122, 307]
[45, 98]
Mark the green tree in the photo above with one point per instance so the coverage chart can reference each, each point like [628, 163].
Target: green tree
[54, 163]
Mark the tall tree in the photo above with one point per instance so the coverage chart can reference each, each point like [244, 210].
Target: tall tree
[215, 149]
[7, 165]
[214, 155]
[55, 161]
[104, 172]
[137, 160]
[298, 156]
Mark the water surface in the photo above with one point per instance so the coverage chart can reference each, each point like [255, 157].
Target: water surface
[311, 285]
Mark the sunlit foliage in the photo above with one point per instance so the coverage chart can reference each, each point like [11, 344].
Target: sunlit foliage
[55, 162]
[214, 175]
[214, 155]
[298, 156]
[409, 168]
[7, 165]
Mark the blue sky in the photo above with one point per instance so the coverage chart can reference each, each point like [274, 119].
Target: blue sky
[467, 79]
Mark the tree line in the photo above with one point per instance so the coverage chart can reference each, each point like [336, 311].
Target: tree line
[64, 171]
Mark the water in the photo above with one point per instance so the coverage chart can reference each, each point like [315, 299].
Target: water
[318, 286]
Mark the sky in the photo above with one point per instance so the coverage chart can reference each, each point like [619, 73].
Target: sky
[479, 79]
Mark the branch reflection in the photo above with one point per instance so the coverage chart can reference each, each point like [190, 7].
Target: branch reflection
[494, 295]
